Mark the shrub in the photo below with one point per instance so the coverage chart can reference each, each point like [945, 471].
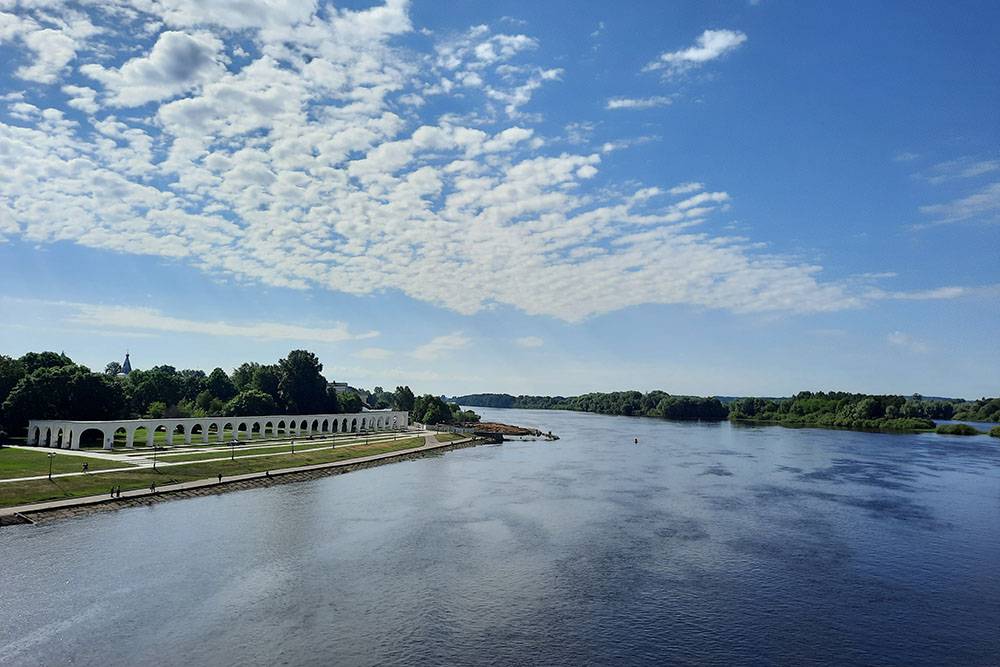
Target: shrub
[995, 431]
[957, 429]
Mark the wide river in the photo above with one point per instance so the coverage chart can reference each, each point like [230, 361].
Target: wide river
[703, 544]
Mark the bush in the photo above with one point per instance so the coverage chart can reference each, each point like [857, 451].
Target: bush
[957, 429]
[995, 431]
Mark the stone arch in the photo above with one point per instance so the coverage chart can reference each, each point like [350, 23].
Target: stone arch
[282, 427]
[315, 426]
[85, 438]
[213, 431]
[242, 428]
[354, 425]
[232, 430]
[326, 426]
[159, 428]
[291, 425]
[48, 436]
[268, 428]
[37, 439]
[178, 429]
[59, 437]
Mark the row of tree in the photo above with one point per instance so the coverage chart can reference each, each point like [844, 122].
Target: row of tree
[629, 403]
[828, 409]
[49, 385]
[837, 409]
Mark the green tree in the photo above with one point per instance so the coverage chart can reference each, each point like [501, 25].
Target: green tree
[402, 399]
[349, 402]
[302, 386]
[250, 402]
[11, 372]
[33, 361]
[219, 385]
[65, 392]
[156, 410]
[243, 375]
[113, 368]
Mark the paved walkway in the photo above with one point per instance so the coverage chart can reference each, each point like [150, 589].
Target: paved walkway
[133, 463]
[430, 443]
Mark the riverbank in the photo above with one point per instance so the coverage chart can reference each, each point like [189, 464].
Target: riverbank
[76, 506]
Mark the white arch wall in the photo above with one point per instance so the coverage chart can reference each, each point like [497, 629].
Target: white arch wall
[41, 431]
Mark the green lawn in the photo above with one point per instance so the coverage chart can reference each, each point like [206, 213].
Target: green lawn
[276, 449]
[26, 463]
[449, 437]
[19, 493]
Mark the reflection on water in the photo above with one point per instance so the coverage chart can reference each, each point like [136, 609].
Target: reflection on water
[705, 544]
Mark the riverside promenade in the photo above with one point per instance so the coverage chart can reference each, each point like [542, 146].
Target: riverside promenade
[32, 512]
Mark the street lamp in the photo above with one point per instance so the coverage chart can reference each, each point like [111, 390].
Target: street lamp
[232, 449]
[51, 456]
[154, 458]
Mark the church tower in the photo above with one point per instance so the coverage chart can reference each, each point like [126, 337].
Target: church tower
[126, 366]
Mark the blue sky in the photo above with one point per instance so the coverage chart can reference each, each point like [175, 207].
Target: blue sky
[711, 198]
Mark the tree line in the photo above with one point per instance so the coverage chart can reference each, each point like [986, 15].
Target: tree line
[50, 385]
[630, 403]
[824, 409]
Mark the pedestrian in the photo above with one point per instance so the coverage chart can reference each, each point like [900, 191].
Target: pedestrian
[220, 476]
[86, 467]
[112, 492]
[152, 487]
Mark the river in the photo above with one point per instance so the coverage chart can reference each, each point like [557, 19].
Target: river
[703, 544]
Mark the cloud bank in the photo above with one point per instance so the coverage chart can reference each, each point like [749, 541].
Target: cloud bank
[293, 144]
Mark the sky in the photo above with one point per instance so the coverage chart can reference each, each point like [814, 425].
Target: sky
[714, 198]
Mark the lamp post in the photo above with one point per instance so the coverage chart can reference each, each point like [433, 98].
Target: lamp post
[154, 458]
[51, 456]
[232, 449]
[293, 446]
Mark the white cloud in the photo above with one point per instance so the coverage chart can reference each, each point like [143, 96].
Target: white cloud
[959, 169]
[632, 103]
[149, 319]
[82, 98]
[440, 346]
[710, 45]
[907, 342]
[302, 169]
[529, 341]
[983, 205]
[177, 62]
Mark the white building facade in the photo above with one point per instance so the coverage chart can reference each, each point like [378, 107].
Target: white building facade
[66, 434]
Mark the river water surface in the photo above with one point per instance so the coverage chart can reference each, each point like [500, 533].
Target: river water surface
[703, 544]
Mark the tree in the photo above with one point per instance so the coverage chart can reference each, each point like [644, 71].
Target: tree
[266, 378]
[113, 368]
[33, 361]
[243, 375]
[11, 372]
[349, 402]
[250, 402]
[64, 392]
[220, 386]
[302, 386]
[402, 399]
[428, 409]
[156, 410]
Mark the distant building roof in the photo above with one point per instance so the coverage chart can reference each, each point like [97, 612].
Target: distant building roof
[126, 366]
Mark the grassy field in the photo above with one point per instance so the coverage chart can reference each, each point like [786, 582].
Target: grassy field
[449, 437]
[172, 457]
[19, 493]
[27, 463]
